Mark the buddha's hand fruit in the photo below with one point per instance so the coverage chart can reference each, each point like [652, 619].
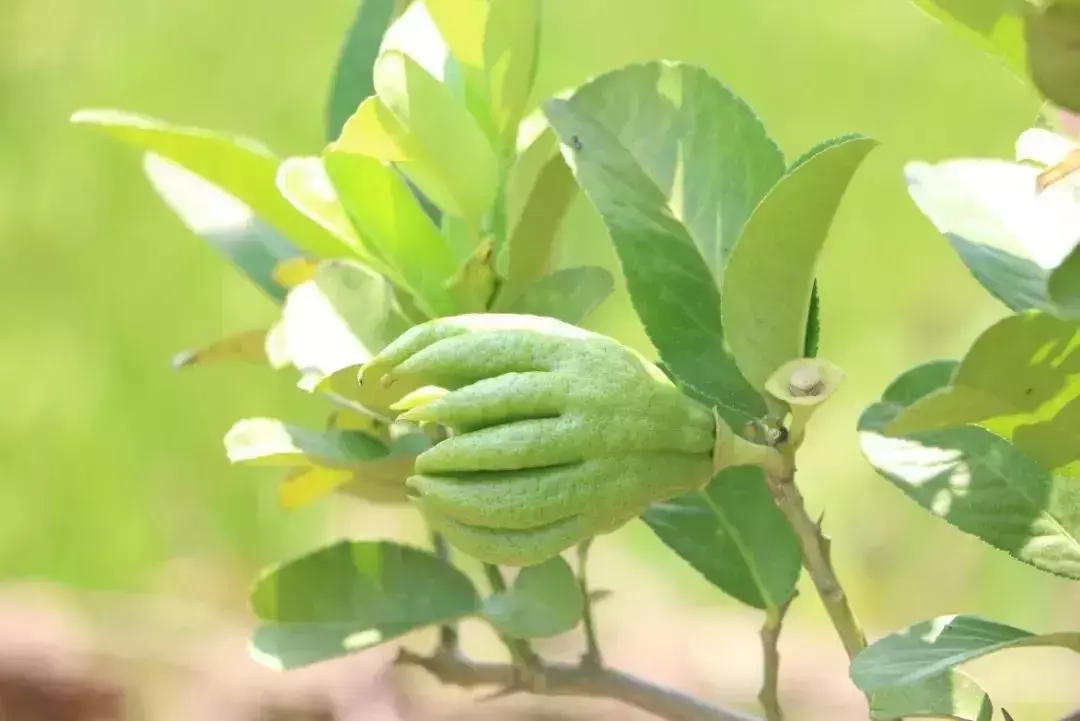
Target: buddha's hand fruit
[557, 434]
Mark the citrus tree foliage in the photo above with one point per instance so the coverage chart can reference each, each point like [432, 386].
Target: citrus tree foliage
[423, 241]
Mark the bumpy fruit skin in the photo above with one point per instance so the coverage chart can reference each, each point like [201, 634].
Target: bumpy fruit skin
[558, 434]
[1053, 48]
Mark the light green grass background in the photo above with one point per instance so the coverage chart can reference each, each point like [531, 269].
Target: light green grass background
[111, 464]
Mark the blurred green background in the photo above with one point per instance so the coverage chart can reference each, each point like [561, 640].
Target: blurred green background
[112, 471]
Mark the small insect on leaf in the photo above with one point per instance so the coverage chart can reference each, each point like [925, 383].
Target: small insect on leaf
[575, 143]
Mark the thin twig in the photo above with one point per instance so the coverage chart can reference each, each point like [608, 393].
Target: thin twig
[770, 638]
[592, 658]
[528, 666]
[449, 640]
[573, 680]
[816, 558]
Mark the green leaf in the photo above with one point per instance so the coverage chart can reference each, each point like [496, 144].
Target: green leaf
[701, 145]
[239, 166]
[270, 442]
[340, 318]
[950, 695]
[444, 138]
[733, 534]
[929, 648]
[353, 76]
[813, 324]
[229, 225]
[977, 481]
[1021, 381]
[351, 596]
[545, 600]
[569, 294]
[388, 216]
[511, 49]
[462, 24]
[769, 280]
[671, 287]
[533, 239]
[1064, 285]
[1008, 234]
[996, 26]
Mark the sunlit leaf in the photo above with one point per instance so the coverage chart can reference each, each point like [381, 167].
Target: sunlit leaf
[247, 346]
[977, 481]
[1021, 381]
[932, 647]
[950, 695]
[545, 600]
[353, 74]
[733, 534]
[350, 596]
[295, 271]
[699, 143]
[769, 279]
[1008, 232]
[671, 287]
[511, 50]
[389, 217]
[270, 442]
[239, 166]
[569, 295]
[462, 24]
[443, 137]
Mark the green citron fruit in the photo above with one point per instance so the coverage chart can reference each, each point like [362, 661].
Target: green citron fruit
[1053, 52]
[557, 434]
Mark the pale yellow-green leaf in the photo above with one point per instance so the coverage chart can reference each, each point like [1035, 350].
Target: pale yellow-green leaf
[244, 346]
[462, 23]
[373, 130]
[511, 49]
[291, 273]
[450, 143]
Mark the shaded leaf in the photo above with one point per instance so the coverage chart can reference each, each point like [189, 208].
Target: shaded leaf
[733, 534]
[1020, 380]
[389, 217]
[569, 294]
[1009, 234]
[475, 283]
[229, 225]
[670, 284]
[1064, 285]
[350, 596]
[699, 143]
[270, 442]
[511, 49]
[950, 695]
[247, 346]
[996, 26]
[545, 600]
[241, 167]
[769, 279]
[352, 81]
[976, 480]
[929, 648]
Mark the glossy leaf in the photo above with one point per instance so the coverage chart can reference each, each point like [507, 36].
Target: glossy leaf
[350, 596]
[339, 319]
[733, 534]
[443, 137]
[1021, 381]
[569, 295]
[390, 218]
[950, 695]
[353, 75]
[996, 26]
[229, 225]
[241, 167]
[545, 600]
[671, 287]
[699, 143]
[932, 647]
[1009, 234]
[976, 480]
[247, 346]
[769, 279]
